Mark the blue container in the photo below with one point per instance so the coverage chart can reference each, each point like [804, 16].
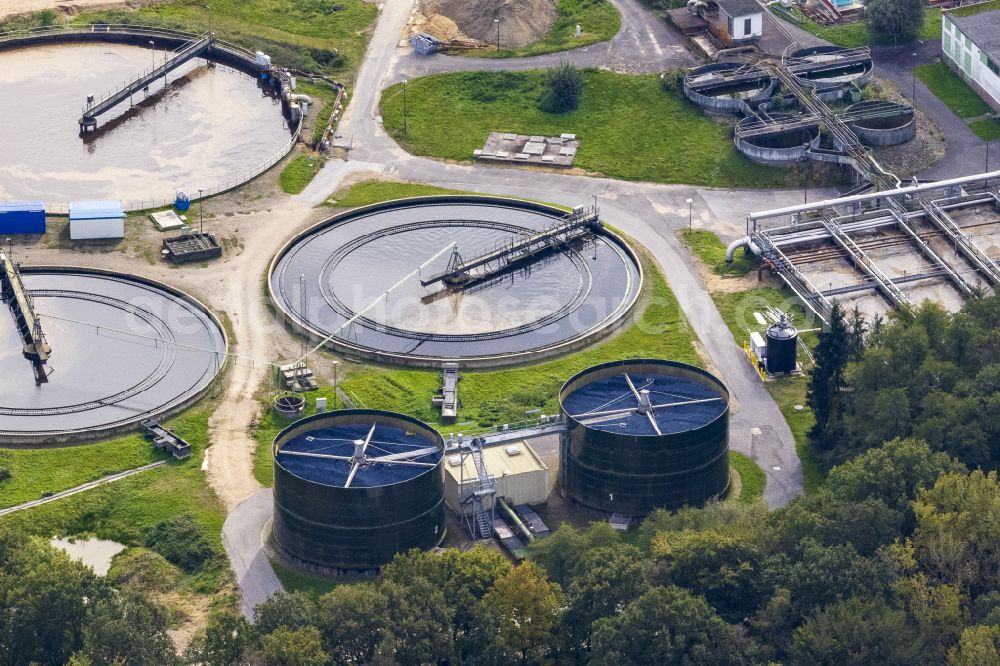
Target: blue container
[182, 201]
[22, 217]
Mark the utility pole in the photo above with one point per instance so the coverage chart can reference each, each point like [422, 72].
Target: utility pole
[497, 22]
[405, 128]
[335, 364]
[690, 202]
[201, 212]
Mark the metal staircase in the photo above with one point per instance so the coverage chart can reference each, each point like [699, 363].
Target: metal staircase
[478, 496]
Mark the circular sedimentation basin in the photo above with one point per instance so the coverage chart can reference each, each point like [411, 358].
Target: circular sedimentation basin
[124, 349]
[356, 277]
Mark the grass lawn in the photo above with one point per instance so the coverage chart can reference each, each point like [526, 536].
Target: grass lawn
[39, 472]
[120, 511]
[312, 35]
[300, 581]
[630, 128]
[987, 129]
[369, 192]
[503, 396]
[856, 33]
[952, 90]
[712, 252]
[598, 19]
[751, 478]
[297, 174]
[737, 311]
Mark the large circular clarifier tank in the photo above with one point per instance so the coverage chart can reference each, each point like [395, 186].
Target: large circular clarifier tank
[881, 123]
[644, 434]
[357, 278]
[728, 86]
[778, 145]
[353, 488]
[206, 126]
[124, 349]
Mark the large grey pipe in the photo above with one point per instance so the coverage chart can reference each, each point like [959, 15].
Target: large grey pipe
[741, 242]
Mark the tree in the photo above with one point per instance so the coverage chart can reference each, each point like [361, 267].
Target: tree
[43, 601]
[667, 625]
[958, 523]
[290, 610]
[352, 620]
[180, 540]
[978, 646]
[609, 579]
[228, 640]
[419, 630]
[561, 552]
[524, 611]
[127, 629]
[724, 567]
[897, 19]
[564, 87]
[855, 632]
[827, 574]
[301, 647]
[828, 380]
[938, 612]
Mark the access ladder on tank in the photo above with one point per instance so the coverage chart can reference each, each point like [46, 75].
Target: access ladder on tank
[479, 498]
[187, 52]
[464, 272]
[29, 326]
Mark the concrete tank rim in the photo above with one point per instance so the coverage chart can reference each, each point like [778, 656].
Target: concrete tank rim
[492, 361]
[665, 363]
[356, 412]
[92, 435]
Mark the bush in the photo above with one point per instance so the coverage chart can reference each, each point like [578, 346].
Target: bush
[673, 79]
[180, 541]
[564, 89]
[4, 474]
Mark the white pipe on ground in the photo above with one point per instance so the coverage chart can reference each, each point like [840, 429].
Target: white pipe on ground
[741, 242]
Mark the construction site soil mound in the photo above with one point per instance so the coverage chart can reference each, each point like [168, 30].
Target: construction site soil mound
[522, 22]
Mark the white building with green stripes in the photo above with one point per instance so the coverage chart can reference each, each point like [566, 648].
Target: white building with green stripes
[970, 45]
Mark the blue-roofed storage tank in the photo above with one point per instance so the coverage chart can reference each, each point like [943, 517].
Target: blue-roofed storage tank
[354, 487]
[644, 434]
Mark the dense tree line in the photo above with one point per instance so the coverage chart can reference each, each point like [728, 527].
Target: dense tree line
[924, 373]
[895, 560]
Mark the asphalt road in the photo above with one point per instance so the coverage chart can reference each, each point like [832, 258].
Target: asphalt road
[243, 539]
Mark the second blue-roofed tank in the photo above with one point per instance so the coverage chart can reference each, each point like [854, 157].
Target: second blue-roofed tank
[644, 434]
[353, 488]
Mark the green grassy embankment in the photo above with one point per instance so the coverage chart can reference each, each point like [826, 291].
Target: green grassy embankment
[122, 510]
[963, 101]
[370, 192]
[599, 21]
[737, 311]
[752, 478]
[630, 128]
[712, 252]
[299, 172]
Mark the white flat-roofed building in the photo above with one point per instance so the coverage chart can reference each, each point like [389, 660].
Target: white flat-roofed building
[970, 46]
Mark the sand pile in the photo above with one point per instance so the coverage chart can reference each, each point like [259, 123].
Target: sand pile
[522, 22]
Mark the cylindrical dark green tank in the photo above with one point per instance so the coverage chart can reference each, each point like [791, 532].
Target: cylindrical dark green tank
[354, 487]
[644, 434]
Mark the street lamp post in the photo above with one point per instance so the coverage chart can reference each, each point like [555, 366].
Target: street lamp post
[913, 94]
[405, 128]
[152, 47]
[996, 118]
[689, 201]
[497, 22]
[201, 212]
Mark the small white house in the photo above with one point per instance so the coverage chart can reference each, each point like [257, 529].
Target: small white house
[96, 219]
[739, 21]
[970, 46]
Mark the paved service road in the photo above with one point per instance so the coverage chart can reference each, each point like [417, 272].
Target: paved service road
[242, 536]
